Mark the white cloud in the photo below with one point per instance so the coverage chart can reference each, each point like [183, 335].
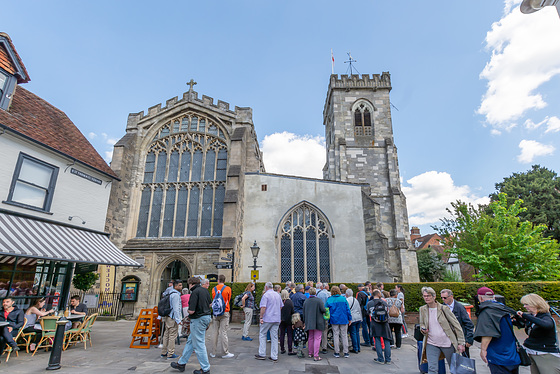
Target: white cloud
[108, 156]
[553, 124]
[430, 193]
[525, 54]
[530, 149]
[529, 124]
[495, 132]
[111, 141]
[92, 135]
[291, 154]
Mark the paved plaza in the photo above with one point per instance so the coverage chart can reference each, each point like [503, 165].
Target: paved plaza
[111, 354]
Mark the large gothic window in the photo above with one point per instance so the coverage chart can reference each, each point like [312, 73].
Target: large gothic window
[304, 245]
[363, 112]
[183, 188]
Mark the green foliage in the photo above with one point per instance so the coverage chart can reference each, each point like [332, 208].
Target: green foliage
[430, 266]
[539, 188]
[85, 281]
[499, 245]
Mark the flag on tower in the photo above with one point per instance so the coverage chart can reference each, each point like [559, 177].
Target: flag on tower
[332, 58]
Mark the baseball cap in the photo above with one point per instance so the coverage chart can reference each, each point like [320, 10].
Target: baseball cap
[485, 291]
[307, 288]
[360, 285]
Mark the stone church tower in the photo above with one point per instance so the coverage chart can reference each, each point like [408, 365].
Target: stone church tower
[361, 149]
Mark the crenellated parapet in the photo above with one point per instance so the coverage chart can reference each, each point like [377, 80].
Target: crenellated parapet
[221, 107]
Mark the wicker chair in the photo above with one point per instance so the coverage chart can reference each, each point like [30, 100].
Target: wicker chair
[86, 331]
[48, 325]
[27, 338]
[74, 336]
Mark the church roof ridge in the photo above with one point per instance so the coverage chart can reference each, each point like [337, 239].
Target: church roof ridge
[305, 178]
[188, 97]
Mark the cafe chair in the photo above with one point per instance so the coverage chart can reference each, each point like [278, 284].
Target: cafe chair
[77, 335]
[9, 349]
[86, 331]
[48, 326]
[27, 338]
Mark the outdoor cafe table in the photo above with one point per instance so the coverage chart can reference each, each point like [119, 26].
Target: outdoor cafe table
[4, 323]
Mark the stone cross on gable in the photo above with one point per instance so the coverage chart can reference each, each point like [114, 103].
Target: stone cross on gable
[191, 84]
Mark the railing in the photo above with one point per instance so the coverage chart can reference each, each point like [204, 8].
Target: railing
[107, 304]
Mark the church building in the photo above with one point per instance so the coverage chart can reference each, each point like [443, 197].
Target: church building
[194, 191]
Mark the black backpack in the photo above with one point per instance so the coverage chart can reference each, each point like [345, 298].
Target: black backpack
[164, 306]
[380, 312]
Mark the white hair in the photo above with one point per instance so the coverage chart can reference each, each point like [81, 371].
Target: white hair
[268, 285]
[349, 292]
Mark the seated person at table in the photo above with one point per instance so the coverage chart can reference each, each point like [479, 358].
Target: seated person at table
[33, 314]
[77, 308]
[14, 316]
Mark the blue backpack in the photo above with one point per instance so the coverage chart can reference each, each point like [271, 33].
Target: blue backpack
[218, 304]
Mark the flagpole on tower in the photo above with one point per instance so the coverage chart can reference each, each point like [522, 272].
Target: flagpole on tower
[332, 63]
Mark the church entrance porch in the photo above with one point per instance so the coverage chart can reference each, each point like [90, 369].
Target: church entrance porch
[175, 270]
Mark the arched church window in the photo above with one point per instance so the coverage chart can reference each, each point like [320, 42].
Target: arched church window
[183, 188]
[305, 237]
[363, 112]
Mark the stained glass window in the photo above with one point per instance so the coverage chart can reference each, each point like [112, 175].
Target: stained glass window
[304, 245]
[183, 187]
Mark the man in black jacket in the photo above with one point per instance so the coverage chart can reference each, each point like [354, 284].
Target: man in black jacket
[14, 316]
[363, 297]
[462, 316]
[201, 315]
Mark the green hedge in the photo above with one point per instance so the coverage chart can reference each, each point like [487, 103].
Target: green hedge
[512, 291]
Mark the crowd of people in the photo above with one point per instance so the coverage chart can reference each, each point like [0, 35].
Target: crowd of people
[295, 320]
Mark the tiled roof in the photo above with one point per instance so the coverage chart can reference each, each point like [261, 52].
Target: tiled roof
[11, 66]
[37, 119]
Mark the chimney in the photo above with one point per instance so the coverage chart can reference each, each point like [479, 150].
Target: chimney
[414, 233]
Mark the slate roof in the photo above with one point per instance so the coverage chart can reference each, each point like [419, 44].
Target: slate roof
[35, 118]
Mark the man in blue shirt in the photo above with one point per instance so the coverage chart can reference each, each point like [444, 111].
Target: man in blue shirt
[298, 298]
[494, 331]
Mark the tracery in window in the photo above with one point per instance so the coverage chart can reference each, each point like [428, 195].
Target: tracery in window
[304, 245]
[363, 112]
[183, 188]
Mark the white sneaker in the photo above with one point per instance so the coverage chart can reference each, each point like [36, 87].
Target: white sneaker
[405, 335]
[211, 355]
[229, 355]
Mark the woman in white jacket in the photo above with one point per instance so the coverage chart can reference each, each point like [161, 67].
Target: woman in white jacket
[356, 311]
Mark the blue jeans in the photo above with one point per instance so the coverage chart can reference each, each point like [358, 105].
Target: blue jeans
[365, 330]
[355, 335]
[196, 341]
[380, 350]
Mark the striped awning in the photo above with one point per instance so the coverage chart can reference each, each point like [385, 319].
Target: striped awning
[28, 237]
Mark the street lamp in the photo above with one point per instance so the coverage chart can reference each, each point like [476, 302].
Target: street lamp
[255, 252]
[531, 6]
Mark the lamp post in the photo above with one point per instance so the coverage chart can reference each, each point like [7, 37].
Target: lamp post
[531, 6]
[255, 252]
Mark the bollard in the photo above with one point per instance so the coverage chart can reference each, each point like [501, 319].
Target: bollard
[56, 353]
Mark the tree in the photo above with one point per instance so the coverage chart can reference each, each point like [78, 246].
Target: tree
[85, 281]
[430, 266]
[499, 245]
[539, 188]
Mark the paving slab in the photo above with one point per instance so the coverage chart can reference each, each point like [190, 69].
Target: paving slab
[110, 354]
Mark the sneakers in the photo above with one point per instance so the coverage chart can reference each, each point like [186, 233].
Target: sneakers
[211, 355]
[229, 355]
[324, 352]
[405, 335]
[247, 339]
[173, 356]
[387, 362]
[336, 355]
[260, 357]
[379, 361]
[178, 366]
[346, 355]
[273, 359]
[164, 355]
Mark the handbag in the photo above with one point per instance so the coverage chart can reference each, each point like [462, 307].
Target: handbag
[418, 334]
[525, 360]
[327, 314]
[461, 365]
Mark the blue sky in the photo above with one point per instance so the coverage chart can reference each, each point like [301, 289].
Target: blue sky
[476, 83]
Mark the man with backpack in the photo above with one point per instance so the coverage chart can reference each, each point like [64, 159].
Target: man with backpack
[200, 315]
[363, 297]
[169, 308]
[221, 296]
[379, 312]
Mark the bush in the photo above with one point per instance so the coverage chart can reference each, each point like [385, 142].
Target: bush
[465, 292]
[85, 281]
